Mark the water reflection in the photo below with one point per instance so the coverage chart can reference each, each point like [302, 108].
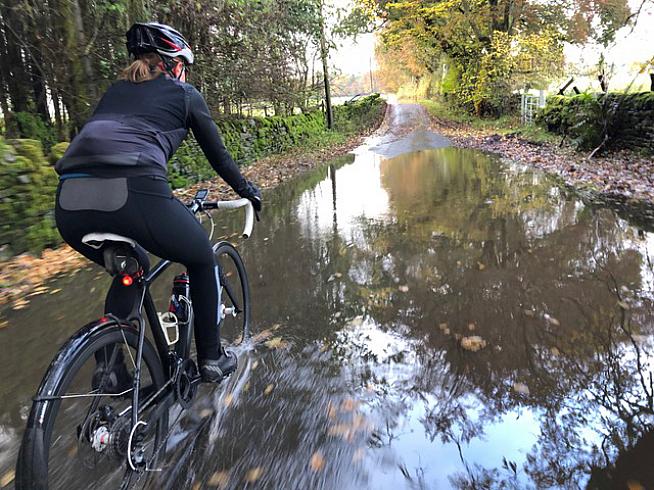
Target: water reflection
[373, 273]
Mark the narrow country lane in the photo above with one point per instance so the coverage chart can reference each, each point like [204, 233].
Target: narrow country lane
[424, 317]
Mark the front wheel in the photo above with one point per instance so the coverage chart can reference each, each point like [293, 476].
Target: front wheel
[234, 292]
[79, 431]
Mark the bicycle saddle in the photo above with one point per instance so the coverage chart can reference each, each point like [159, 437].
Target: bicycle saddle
[118, 251]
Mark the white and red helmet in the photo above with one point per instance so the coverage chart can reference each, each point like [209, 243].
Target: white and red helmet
[152, 37]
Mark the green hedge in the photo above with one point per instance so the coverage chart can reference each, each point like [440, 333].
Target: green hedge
[628, 119]
[249, 139]
[27, 189]
[28, 181]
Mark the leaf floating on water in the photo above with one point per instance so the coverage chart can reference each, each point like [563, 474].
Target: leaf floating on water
[481, 266]
[196, 486]
[20, 304]
[255, 365]
[254, 474]
[207, 412]
[331, 411]
[358, 455]
[4, 324]
[551, 320]
[530, 313]
[219, 479]
[471, 326]
[635, 485]
[7, 478]
[229, 398]
[317, 462]
[349, 405]
[357, 321]
[338, 275]
[473, 343]
[555, 351]
[268, 389]
[521, 388]
[623, 305]
[55, 291]
[337, 315]
[275, 343]
[404, 288]
[261, 336]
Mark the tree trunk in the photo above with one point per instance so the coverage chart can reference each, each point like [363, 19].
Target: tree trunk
[83, 50]
[11, 57]
[325, 70]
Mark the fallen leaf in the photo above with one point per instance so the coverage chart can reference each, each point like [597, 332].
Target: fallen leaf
[7, 478]
[349, 405]
[317, 462]
[623, 305]
[219, 479]
[268, 390]
[255, 365]
[473, 343]
[197, 485]
[254, 474]
[443, 326]
[521, 388]
[481, 266]
[551, 320]
[229, 398]
[331, 411]
[471, 326]
[530, 313]
[4, 324]
[275, 343]
[338, 275]
[404, 288]
[555, 351]
[55, 291]
[634, 485]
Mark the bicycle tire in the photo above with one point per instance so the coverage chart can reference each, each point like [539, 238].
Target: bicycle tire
[226, 253]
[32, 471]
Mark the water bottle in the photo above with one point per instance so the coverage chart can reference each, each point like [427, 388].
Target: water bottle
[180, 299]
[180, 306]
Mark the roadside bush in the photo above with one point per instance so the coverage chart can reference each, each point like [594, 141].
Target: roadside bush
[30, 126]
[27, 189]
[627, 120]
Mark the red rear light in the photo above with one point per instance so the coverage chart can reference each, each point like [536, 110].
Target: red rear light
[127, 280]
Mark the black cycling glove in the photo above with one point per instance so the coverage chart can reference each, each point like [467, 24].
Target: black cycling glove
[251, 192]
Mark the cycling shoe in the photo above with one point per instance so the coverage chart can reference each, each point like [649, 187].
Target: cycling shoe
[215, 370]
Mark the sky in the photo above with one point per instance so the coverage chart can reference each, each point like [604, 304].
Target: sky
[353, 57]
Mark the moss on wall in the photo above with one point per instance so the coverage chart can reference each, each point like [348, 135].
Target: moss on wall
[627, 118]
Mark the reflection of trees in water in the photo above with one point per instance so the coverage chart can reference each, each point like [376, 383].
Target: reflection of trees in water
[551, 286]
[544, 281]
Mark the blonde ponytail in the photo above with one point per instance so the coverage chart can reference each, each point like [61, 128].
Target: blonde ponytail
[142, 69]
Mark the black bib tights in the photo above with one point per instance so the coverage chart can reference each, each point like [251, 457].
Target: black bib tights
[162, 225]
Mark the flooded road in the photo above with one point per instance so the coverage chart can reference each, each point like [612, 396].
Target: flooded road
[422, 319]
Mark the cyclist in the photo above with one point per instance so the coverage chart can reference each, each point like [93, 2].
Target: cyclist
[113, 180]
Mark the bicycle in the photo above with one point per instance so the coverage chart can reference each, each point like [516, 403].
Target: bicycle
[120, 435]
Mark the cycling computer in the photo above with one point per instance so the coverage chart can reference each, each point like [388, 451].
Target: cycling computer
[201, 195]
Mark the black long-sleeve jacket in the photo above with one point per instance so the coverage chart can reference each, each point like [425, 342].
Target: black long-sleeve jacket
[137, 127]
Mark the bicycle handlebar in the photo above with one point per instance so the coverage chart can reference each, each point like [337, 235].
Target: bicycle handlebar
[199, 204]
[238, 203]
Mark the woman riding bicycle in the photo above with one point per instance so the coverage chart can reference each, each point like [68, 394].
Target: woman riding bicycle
[113, 180]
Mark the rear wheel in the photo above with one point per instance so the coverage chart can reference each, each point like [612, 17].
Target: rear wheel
[234, 292]
[79, 432]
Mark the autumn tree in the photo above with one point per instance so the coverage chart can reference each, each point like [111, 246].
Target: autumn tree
[491, 47]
